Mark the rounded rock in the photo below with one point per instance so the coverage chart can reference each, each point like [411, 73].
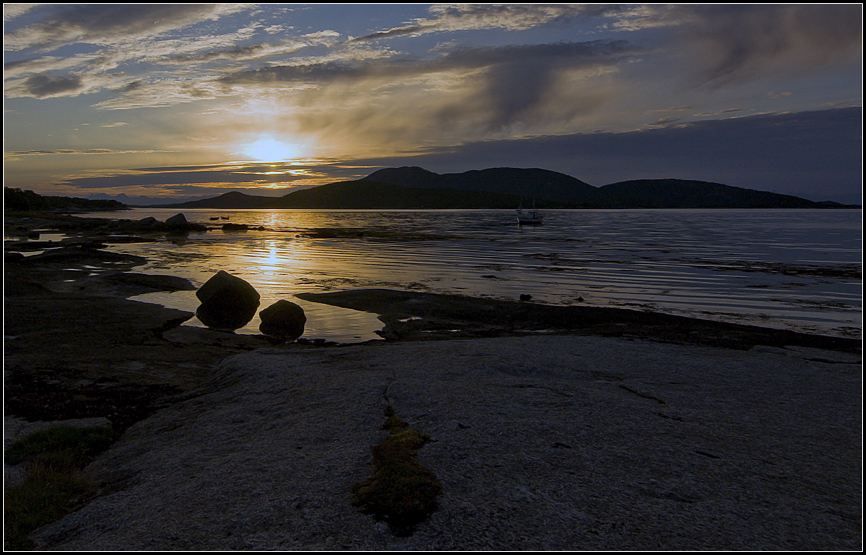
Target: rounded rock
[284, 320]
[227, 302]
[178, 220]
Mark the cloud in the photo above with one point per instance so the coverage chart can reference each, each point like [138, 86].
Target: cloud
[19, 155]
[518, 78]
[729, 43]
[460, 90]
[249, 52]
[547, 70]
[106, 23]
[213, 176]
[511, 17]
[43, 85]
[12, 11]
[63, 151]
[137, 179]
[119, 39]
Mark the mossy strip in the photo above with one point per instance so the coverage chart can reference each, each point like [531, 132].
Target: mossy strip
[61, 445]
[401, 491]
[51, 487]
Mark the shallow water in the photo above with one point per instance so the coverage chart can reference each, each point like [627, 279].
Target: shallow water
[794, 269]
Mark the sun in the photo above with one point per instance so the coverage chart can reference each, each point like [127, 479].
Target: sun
[268, 149]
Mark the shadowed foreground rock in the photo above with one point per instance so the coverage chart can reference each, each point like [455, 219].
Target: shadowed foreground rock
[283, 320]
[544, 442]
[227, 302]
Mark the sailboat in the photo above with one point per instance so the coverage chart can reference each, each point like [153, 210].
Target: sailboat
[529, 217]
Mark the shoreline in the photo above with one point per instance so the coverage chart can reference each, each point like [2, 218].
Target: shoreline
[672, 412]
[71, 304]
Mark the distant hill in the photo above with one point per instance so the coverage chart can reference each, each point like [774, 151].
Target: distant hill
[417, 188]
[364, 194]
[522, 182]
[228, 201]
[677, 193]
[16, 200]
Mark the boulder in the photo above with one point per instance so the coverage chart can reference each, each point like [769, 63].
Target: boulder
[178, 224]
[178, 220]
[227, 302]
[283, 320]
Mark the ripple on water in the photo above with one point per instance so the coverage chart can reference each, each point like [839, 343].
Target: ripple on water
[799, 269]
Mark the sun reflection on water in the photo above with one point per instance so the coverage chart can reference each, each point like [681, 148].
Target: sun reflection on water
[713, 264]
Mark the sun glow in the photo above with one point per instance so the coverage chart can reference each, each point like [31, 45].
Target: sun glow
[268, 149]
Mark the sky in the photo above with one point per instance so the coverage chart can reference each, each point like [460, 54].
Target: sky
[169, 102]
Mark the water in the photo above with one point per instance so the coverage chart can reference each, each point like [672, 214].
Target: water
[792, 269]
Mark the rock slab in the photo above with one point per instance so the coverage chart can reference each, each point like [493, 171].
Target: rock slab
[540, 443]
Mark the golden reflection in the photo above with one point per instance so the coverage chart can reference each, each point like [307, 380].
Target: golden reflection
[273, 220]
[272, 255]
[274, 258]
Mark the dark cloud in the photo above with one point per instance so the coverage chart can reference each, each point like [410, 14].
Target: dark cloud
[175, 178]
[319, 72]
[518, 76]
[43, 85]
[250, 175]
[97, 22]
[9, 66]
[513, 79]
[740, 41]
[239, 53]
[553, 54]
[61, 151]
[546, 56]
[392, 33]
[464, 17]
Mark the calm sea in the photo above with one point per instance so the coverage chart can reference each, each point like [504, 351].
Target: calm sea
[794, 269]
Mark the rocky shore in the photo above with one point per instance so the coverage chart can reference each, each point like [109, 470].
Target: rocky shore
[552, 427]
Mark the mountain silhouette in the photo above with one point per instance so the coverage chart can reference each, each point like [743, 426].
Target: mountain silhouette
[411, 187]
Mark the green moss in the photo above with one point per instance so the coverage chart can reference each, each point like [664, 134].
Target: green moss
[401, 491]
[61, 445]
[45, 495]
[51, 487]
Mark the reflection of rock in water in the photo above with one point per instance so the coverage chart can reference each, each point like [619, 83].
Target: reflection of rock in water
[228, 302]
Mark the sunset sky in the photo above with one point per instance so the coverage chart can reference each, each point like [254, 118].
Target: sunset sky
[178, 101]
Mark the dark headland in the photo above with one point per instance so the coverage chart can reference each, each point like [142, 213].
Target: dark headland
[506, 188]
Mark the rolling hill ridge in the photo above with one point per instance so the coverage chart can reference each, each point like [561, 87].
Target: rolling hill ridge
[412, 187]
